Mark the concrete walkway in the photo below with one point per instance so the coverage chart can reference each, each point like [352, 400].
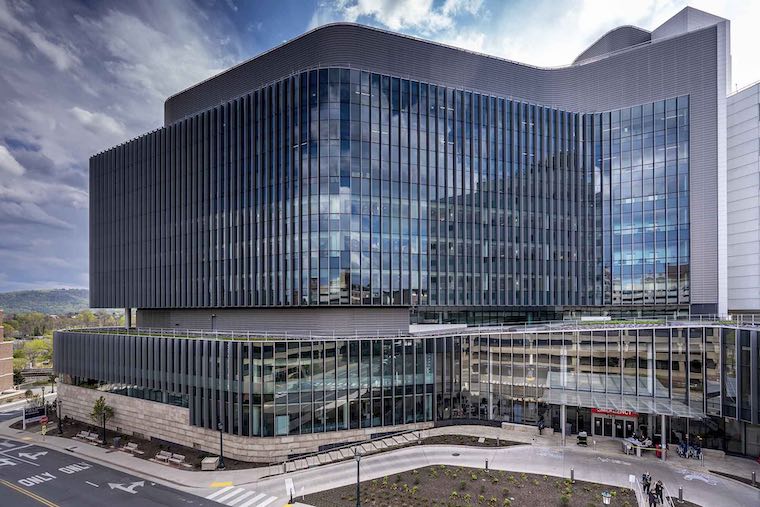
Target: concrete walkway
[604, 464]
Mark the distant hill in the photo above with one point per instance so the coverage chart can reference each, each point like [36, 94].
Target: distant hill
[50, 302]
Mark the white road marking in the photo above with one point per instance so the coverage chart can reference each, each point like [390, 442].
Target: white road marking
[253, 500]
[92, 484]
[218, 492]
[5, 453]
[267, 501]
[229, 495]
[240, 498]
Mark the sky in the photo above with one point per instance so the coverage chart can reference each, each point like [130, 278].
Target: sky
[78, 77]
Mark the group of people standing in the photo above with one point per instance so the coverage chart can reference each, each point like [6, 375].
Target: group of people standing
[654, 493]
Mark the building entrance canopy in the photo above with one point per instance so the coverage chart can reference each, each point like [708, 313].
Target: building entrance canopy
[621, 402]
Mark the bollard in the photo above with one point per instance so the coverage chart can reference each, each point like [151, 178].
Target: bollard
[486, 465]
[572, 475]
[754, 479]
[680, 494]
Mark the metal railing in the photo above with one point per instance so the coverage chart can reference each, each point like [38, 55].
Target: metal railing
[481, 329]
[281, 467]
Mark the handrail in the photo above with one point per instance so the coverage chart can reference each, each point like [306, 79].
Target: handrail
[564, 325]
[639, 492]
[346, 446]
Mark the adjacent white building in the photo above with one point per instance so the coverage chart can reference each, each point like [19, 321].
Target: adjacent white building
[744, 200]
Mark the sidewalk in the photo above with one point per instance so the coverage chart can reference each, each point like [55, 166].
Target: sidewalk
[605, 464]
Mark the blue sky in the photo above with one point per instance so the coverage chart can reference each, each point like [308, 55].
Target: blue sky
[80, 77]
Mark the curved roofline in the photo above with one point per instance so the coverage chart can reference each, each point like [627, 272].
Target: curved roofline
[608, 32]
[381, 30]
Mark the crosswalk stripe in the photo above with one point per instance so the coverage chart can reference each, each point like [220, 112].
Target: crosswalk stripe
[229, 495]
[219, 492]
[267, 501]
[240, 498]
[253, 500]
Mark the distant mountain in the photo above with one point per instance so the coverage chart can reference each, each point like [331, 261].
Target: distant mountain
[50, 302]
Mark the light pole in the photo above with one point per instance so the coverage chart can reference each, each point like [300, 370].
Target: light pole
[358, 458]
[220, 427]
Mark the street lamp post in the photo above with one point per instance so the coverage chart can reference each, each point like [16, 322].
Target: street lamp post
[220, 427]
[358, 458]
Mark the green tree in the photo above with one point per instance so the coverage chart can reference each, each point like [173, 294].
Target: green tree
[9, 330]
[39, 349]
[100, 411]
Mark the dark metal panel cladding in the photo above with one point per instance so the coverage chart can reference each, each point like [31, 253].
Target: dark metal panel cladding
[682, 65]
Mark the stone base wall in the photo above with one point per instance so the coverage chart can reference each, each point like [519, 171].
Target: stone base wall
[148, 419]
[6, 364]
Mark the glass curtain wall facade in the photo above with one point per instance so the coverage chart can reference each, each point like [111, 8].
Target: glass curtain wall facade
[343, 187]
[292, 387]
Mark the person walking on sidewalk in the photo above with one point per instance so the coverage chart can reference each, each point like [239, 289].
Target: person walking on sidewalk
[658, 487]
[646, 480]
[652, 499]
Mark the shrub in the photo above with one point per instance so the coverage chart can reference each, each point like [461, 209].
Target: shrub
[481, 498]
[523, 476]
[398, 478]
[462, 486]
[414, 490]
[535, 482]
[474, 476]
[385, 480]
[495, 480]
[416, 480]
[505, 491]
[493, 500]
[467, 498]
[564, 499]
[482, 489]
[507, 502]
[511, 478]
[454, 494]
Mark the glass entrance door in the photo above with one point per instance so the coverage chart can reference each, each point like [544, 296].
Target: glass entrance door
[619, 428]
[598, 426]
[629, 428]
[607, 426]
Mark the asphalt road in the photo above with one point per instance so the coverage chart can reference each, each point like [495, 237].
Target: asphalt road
[33, 476]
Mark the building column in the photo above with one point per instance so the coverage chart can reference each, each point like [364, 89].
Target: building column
[663, 437]
[127, 318]
[562, 419]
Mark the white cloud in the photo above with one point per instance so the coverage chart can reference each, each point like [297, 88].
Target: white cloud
[61, 56]
[420, 15]
[97, 122]
[9, 164]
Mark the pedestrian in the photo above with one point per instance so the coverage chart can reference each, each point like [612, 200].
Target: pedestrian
[658, 487]
[652, 499]
[645, 480]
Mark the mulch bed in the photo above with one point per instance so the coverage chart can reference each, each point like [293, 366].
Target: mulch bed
[447, 486]
[684, 503]
[468, 440]
[149, 447]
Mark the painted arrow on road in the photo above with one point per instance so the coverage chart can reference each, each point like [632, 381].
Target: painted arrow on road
[31, 455]
[7, 462]
[128, 489]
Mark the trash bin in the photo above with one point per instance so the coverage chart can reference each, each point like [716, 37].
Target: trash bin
[116, 442]
[658, 452]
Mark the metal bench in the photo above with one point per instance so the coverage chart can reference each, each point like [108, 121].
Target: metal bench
[132, 448]
[163, 456]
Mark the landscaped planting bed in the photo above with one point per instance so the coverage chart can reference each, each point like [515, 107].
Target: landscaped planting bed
[448, 486]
